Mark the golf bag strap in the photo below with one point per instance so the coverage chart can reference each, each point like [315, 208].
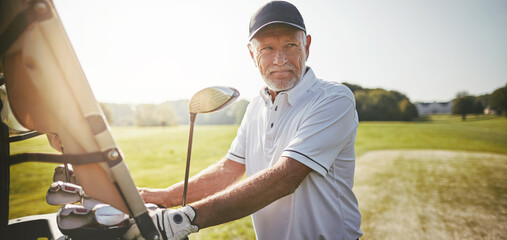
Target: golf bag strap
[24, 136]
[74, 159]
[38, 11]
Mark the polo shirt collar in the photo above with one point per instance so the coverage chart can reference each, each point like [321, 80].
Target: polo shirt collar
[295, 93]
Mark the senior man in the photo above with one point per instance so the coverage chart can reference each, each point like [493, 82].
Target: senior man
[295, 143]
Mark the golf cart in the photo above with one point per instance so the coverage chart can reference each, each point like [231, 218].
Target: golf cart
[44, 91]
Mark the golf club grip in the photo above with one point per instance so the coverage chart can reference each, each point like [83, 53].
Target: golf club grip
[135, 203]
[146, 227]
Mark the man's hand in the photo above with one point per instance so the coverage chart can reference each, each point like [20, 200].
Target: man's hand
[171, 223]
[156, 196]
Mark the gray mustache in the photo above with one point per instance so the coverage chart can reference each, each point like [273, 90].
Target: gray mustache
[284, 68]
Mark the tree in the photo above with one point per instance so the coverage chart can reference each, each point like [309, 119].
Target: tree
[484, 100]
[463, 104]
[408, 110]
[381, 105]
[498, 100]
[145, 115]
[377, 105]
[478, 107]
[165, 115]
[353, 87]
[239, 109]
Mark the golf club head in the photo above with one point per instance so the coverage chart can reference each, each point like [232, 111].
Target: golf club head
[89, 202]
[59, 174]
[61, 193]
[212, 99]
[73, 216]
[151, 206]
[79, 223]
[106, 215]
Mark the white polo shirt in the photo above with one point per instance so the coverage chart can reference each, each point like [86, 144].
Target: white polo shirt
[314, 123]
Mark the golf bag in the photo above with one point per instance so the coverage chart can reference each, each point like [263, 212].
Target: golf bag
[48, 93]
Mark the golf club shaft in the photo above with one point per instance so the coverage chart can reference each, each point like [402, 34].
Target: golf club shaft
[189, 154]
[66, 170]
[66, 166]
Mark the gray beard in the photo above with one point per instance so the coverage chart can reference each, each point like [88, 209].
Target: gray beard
[284, 86]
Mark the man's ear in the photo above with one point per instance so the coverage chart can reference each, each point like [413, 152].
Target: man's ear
[251, 53]
[307, 47]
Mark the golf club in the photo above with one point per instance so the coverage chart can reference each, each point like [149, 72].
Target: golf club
[73, 216]
[102, 223]
[89, 202]
[205, 101]
[60, 193]
[64, 174]
[107, 215]
[151, 206]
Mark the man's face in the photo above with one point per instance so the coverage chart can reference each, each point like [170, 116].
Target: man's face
[280, 53]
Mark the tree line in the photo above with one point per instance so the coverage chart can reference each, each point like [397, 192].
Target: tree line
[382, 105]
[496, 102]
[375, 104]
[170, 113]
[372, 105]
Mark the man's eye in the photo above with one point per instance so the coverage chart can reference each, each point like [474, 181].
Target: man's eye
[267, 48]
[291, 45]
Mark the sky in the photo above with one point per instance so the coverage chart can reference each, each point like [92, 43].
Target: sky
[152, 51]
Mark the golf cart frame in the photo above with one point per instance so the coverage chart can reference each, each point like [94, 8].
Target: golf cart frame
[30, 227]
[48, 93]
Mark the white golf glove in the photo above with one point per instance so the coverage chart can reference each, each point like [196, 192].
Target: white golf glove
[174, 224]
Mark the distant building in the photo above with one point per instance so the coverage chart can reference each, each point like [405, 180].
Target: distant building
[434, 108]
[488, 110]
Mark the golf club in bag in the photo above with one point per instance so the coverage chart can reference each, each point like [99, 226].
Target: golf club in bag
[83, 217]
[48, 93]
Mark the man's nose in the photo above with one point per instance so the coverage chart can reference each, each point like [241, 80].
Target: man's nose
[280, 58]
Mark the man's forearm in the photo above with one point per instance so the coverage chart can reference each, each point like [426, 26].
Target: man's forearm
[252, 194]
[213, 179]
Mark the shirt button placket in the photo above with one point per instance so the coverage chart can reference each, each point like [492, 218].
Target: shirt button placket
[274, 115]
[272, 118]
[269, 137]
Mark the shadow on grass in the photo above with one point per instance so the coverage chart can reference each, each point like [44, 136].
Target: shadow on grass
[478, 117]
[425, 118]
[454, 118]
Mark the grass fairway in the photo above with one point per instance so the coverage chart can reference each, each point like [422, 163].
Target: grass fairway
[401, 195]
[432, 194]
[478, 134]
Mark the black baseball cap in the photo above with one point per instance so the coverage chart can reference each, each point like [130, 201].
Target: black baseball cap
[276, 12]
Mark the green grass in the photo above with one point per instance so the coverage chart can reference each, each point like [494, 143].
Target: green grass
[428, 194]
[160, 152]
[421, 194]
[478, 133]
[156, 158]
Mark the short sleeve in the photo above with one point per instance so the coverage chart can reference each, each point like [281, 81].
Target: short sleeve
[237, 150]
[324, 132]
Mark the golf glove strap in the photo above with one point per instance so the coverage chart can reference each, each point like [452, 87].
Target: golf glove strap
[173, 224]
